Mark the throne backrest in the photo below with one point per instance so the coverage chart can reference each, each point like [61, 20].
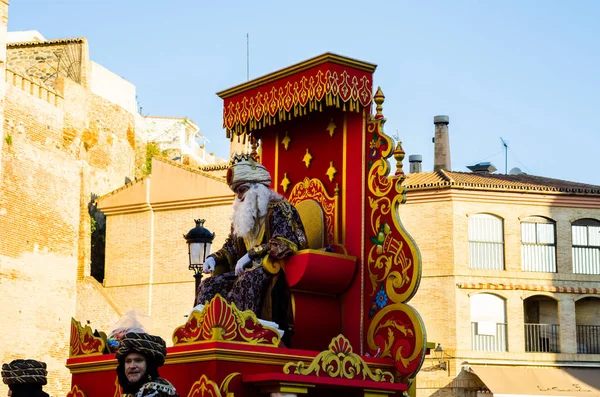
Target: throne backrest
[318, 211]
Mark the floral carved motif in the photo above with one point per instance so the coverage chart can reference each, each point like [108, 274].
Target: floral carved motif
[83, 342]
[339, 362]
[208, 388]
[76, 392]
[223, 321]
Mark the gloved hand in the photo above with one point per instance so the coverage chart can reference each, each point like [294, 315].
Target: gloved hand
[239, 266]
[209, 265]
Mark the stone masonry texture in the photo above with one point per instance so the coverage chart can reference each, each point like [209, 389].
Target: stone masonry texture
[56, 157]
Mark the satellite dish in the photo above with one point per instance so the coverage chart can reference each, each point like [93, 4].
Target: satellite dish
[515, 171]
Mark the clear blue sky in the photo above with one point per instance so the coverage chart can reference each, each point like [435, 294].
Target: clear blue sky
[527, 71]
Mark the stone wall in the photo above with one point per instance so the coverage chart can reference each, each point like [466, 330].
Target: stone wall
[46, 61]
[62, 146]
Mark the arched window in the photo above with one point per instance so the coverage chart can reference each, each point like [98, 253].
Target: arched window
[587, 320]
[538, 245]
[586, 246]
[486, 242]
[488, 323]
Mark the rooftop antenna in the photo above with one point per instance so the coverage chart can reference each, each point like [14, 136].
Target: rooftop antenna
[505, 155]
[248, 56]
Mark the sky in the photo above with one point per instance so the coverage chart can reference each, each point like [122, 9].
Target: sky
[527, 71]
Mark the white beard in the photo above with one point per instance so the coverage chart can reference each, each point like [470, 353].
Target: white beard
[247, 213]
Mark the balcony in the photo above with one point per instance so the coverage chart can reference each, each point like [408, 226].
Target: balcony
[588, 339]
[488, 342]
[542, 338]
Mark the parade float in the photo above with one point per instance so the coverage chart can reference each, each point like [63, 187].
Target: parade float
[318, 127]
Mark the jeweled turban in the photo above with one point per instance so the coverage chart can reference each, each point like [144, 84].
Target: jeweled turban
[244, 169]
[24, 372]
[152, 347]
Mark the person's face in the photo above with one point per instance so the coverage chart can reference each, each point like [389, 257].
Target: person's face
[135, 367]
[241, 191]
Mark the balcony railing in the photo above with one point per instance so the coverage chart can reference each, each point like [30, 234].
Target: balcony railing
[588, 339]
[490, 343]
[542, 338]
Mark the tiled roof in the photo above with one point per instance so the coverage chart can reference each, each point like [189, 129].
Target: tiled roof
[125, 186]
[47, 42]
[214, 167]
[164, 160]
[521, 182]
[195, 170]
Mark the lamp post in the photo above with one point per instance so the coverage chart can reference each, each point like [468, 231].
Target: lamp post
[198, 240]
[439, 355]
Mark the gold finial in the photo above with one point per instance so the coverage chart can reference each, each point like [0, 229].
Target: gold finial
[399, 156]
[379, 98]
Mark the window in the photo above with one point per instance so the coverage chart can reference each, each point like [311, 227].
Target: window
[586, 246]
[488, 323]
[538, 245]
[486, 242]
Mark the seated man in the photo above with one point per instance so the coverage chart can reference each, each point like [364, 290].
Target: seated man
[25, 378]
[265, 226]
[139, 357]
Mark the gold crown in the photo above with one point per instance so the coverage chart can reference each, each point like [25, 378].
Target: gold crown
[240, 157]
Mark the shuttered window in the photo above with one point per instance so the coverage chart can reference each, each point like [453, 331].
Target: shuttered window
[488, 323]
[486, 242]
[586, 246]
[538, 245]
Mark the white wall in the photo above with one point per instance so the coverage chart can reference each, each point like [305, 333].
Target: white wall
[113, 87]
[25, 36]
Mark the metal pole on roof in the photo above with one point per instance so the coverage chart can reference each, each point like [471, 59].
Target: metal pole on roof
[505, 155]
[248, 56]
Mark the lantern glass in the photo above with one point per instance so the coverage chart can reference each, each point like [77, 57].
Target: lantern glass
[198, 253]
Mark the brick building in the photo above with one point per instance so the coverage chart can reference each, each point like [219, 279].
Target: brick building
[511, 281]
[70, 132]
[146, 255]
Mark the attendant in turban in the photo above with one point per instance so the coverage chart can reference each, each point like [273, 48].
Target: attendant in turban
[25, 378]
[265, 228]
[139, 356]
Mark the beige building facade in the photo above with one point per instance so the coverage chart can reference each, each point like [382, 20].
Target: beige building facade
[146, 255]
[511, 279]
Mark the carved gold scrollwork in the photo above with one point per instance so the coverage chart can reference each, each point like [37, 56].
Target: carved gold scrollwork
[339, 361]
[394, 329]
[76, 392]
[313, 189]
[223, 321]
[205, 387]
[83, 342]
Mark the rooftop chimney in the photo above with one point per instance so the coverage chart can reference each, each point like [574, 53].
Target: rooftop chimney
[482, 168]
[441, 144]
[415, 161]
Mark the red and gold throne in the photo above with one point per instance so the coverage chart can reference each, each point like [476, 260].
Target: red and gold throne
[314, 127]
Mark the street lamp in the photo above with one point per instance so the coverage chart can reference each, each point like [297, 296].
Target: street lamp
[439, 355]
[198, 240]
